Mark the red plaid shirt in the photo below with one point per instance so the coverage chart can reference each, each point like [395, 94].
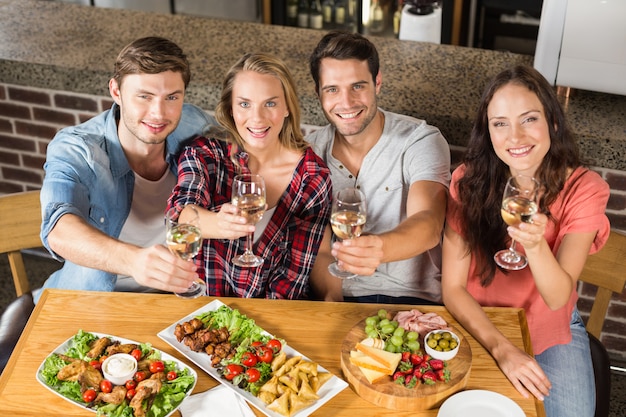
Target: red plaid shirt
[291, 239]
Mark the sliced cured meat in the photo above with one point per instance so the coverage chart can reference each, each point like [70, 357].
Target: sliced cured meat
[422, 323]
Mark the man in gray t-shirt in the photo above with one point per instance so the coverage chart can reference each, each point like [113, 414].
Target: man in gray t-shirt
[401, 164]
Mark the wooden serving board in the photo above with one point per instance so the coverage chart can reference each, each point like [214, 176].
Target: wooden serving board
[387, 394]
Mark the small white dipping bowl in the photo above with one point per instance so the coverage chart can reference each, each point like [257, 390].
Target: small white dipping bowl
[119, 368]
[443, 355]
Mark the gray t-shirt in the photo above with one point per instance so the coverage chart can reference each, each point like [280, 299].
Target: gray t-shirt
[409, 150]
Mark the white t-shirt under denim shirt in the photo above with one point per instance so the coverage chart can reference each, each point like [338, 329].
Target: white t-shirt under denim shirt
[409, 150]
[145, 224]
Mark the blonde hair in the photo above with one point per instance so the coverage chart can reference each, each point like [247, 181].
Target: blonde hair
[290, 135]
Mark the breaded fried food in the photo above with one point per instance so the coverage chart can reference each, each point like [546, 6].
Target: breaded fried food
[98, 346]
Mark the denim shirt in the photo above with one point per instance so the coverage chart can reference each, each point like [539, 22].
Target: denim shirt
[87, 174]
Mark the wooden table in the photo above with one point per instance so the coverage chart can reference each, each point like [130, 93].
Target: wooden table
[315, 329]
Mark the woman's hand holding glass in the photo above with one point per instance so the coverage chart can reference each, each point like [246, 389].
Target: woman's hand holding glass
[518, 205]
[249, 198]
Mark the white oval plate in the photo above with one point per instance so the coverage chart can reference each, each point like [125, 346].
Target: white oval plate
[61, 349]
[327, 391]
[481, 403]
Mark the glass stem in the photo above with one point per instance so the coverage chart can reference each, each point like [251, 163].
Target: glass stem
[512, 247]
[248, 250]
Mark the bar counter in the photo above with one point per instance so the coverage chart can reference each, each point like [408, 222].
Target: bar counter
[62, 46]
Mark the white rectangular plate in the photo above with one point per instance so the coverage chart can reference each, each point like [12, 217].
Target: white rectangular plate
[327, 391]
[62, 349]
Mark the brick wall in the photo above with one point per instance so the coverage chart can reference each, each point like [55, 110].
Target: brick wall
[29, 118]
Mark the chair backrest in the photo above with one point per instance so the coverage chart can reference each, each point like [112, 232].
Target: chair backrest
[606, 270]
[20, 223]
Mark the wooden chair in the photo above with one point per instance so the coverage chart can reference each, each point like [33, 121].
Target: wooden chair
[20, 223]
[607, 271]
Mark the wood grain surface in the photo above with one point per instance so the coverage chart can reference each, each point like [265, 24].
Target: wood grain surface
[390, 395]
[316, 329]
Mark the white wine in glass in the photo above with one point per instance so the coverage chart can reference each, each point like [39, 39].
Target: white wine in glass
[347, 219]
[518, 205]
[184, 240]
[249, 198]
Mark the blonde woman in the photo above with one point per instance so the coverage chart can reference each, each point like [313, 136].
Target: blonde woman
[260, 118]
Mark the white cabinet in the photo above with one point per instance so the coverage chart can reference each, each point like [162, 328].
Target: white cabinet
[581, 44]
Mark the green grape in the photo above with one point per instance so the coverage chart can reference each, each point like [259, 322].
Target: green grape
[382, 313]
[413, 345]
[387, 329]
[399, 331]
[395, 323]
[412, 335]
[383, 322]
[396, 340]
[369, 328]
[373, 334]
[390, 347]
[372, 321]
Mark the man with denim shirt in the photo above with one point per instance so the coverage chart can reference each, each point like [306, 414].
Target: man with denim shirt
[107, 180]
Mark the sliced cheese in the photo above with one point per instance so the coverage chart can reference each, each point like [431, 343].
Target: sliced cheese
[373, 376]
[365, 362]
[388, 359]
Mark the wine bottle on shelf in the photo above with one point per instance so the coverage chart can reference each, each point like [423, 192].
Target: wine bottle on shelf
[341, 12]
[316, 19]
[303, 13]
[397, 16]
[327, 11]
[377, 17]
[292, 12]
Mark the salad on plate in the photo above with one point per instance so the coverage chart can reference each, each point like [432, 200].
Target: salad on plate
[155, 385]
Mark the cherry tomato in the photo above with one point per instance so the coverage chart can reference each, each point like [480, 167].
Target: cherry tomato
[265, 354]
[253, 375]
[256, 344]
[89, 395]
[248, 359]
[275, 345]
[130, 394]
[103, 358]
[157, 366]
[106, 386]
[140, 376]
[96, 364]
[232, 370]
[171, 375]
[136, 353]
[131, 384]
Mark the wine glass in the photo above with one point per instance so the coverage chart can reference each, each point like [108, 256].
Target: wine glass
[249, 198]
[347, 219]
[518, 205]
[184, 240]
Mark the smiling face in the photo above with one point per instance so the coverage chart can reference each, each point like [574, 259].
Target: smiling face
[348, 94]
[259, 108]
[150, 106]
[518, 128]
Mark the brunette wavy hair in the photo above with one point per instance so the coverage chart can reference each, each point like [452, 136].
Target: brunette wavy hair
[481, 187]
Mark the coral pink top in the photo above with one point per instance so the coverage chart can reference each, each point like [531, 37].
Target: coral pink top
[581, 209]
